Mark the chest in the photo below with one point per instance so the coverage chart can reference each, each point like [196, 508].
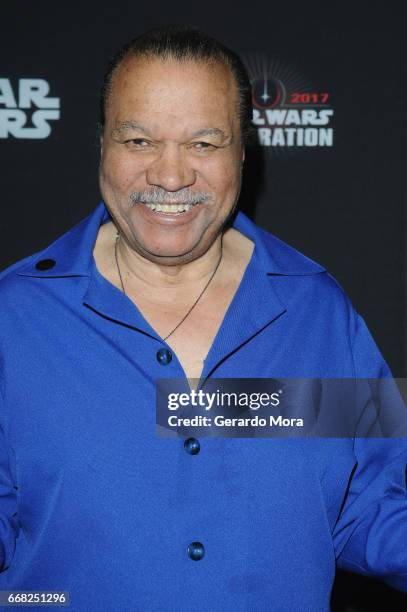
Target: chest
[191, 341]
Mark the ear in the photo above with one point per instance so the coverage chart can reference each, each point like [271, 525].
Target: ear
[99, 135]
[243, 156]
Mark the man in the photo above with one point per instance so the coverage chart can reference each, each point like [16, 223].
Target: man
[162, 281]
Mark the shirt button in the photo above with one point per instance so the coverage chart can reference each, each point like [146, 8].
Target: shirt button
[192, 446]
[45, 264]
[164, 356]
[196, 551]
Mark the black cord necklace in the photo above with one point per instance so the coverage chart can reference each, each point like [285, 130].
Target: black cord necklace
[197, 299]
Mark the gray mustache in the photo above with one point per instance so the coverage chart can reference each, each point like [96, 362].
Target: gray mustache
[160, 196]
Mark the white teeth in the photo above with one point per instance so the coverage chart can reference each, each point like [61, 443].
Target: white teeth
[169, 208]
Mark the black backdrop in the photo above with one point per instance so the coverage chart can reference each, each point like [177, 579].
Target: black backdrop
[342, 205]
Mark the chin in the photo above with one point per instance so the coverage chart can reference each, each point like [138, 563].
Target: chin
[170, 254]
[160, 244]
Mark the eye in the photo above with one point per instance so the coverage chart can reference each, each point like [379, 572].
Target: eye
[139, 143]
[201, 146]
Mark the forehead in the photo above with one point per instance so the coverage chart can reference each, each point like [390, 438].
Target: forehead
[167, 89]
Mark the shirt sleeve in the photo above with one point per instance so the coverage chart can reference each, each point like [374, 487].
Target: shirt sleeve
[8, 503]
[370, 536]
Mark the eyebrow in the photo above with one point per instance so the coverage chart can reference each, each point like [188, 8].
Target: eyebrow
[129, 125]
[133, 125]
[209, 132]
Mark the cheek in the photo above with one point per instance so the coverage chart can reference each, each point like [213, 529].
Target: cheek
[118, 172]
[224, 179]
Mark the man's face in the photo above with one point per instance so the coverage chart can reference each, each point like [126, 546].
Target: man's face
[172, 135]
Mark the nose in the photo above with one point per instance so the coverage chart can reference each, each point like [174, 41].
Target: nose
[170, 170]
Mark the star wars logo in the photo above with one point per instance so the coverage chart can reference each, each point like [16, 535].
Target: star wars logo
[294, 127]
[289, 112]
[27, 112]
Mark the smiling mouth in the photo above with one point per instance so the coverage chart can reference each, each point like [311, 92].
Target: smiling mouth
[170, 208]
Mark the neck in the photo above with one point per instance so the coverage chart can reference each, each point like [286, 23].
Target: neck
[136, 269]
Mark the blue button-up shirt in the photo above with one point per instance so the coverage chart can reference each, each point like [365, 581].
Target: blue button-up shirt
[94, 503]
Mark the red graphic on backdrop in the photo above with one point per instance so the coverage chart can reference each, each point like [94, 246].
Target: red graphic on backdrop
[289, 112]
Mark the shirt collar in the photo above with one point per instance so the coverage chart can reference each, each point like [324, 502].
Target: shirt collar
[273, 255]
[73, 251]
